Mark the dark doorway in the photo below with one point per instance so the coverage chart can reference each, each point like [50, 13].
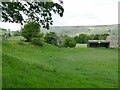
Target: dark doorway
[98, 43]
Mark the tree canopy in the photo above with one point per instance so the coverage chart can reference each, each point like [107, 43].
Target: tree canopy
[30, 30]
[24, 11]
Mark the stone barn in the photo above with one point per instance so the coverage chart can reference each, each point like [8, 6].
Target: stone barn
[114, 41]
[98, 43]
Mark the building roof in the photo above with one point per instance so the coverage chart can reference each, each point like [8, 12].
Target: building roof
[96, 41]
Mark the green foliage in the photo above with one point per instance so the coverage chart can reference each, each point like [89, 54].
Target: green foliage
[37, 41]
[40, 12]
[51, 38]
[83, 38]
[16, 33]
[6, 36]
[69, 42]
[9, 35]
[30, 30]
[103, 36]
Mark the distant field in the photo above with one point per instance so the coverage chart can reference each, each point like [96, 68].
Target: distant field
[81, 45]
[26, 65]
[16, 38]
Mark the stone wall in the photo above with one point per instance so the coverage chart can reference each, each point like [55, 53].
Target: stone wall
[114, 41]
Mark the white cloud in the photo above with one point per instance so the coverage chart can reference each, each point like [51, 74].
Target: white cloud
[88, 12]
[83, 12]
[11, 26]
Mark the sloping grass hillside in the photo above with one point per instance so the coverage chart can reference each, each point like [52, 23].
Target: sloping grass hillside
[26, 65]
[76, 30]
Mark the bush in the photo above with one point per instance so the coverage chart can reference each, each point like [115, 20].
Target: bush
[37, 41]
[16, 33]
[69, 42]
[61, 41]
[30, 30]
[51, 38]
[72, 43]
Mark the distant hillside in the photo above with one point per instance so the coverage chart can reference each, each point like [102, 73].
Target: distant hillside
[3, 31]
[76, 30]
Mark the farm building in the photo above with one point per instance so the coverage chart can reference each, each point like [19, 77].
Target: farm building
[110, 42]
[98, 43]
[114, 41]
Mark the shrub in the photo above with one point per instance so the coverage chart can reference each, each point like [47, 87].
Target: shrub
[6, 36]
[37, 41]
[69, 42]
[30, 30]
[60, 42]
[51, 38]
[16, 33]
[72, 43]
[9, 35]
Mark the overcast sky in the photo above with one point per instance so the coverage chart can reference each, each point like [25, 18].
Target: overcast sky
[83, 12]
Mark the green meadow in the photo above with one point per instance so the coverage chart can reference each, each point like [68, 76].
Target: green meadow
[25, 65]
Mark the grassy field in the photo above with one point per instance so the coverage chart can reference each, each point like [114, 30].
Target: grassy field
[0, 65]
[15, 38]
[26, 65]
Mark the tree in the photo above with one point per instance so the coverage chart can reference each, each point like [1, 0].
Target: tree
[82, 38]
[34, 11]
[30, 30]
[51, 38]
[96, 37]
[76, 38]
[69, 42]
